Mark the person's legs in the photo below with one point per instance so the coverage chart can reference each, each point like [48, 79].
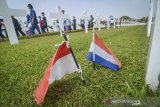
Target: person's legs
[74, 26]
[1, 35]
[37, 28]
[42, 29]
[46, 28]
[32, 29]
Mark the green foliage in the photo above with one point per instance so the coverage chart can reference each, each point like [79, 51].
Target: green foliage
[126, 18]
[143, 19]
[22, 67]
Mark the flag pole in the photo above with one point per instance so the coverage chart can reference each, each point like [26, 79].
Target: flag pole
[65, 38]
[74, 58]
[94, 64]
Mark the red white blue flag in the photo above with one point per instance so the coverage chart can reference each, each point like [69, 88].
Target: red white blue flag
[102, 55]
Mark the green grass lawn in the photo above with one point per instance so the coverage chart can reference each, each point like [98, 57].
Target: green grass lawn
[22, 67]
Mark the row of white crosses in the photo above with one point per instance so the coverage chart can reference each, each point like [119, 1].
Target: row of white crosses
[61, 17]
[6, 13]
[86, 18]
[118, 23]
[153, 68]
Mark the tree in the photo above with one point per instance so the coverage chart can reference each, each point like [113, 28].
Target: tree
[143, 19]
[126, 18]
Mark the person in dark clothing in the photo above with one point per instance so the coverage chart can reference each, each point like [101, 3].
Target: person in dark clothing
[82, 23]
[44, 21]
[91, 21]
[74, 23]
[33, 20]
[17, 26]
[1, 35]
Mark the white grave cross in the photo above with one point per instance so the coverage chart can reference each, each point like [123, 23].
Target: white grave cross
[114, 23]
[99, 22]
[122, 21]
[153, 68]
[108, 24]
[150, 17]
[60, 16]
[85, 17]
[6, 13]
[118, 22]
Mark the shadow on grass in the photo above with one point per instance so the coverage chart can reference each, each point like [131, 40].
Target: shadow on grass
[60, 90]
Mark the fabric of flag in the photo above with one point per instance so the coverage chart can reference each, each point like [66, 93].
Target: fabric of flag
[61, 63]
[102, 54]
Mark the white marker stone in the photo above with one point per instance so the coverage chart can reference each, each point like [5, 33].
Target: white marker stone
[150, 18]
[122, 22]
[114, 23]
[118, 23]
[108, 24]
[85, 17]
[153, 65]
[6, 13]
[99, 22]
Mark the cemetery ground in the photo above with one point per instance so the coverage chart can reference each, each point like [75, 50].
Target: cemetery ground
[22, 67]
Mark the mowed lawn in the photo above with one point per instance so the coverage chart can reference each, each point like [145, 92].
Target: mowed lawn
[22, 67]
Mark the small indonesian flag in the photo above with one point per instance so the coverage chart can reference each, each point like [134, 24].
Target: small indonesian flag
[102, 55]
[61, 63]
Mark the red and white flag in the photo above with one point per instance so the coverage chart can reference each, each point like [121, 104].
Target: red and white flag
[61, 63]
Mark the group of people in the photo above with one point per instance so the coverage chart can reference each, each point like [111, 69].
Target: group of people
[32, 22]
[90, 22]
[17, 27]
[67, 24]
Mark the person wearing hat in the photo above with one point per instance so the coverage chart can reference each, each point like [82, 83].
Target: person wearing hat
[33, 20]
[44, 21]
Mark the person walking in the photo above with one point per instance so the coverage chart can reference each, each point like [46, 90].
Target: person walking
[33, 20]
[45, 22]
[41, 24]
[17, 26]
[91, 21]
[74, 23]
